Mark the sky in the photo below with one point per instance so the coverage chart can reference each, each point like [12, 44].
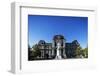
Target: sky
[43, 27]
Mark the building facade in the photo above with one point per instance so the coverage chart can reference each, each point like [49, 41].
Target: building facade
[58, 49]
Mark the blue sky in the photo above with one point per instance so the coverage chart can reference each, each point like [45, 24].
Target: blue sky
[41, 27]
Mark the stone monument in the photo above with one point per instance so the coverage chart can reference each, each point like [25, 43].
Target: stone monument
[58, 55]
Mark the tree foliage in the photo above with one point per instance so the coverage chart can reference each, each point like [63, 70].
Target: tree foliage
[78, 51]
[29, 52]
[85, 52]
[35, 51]
[82, 53]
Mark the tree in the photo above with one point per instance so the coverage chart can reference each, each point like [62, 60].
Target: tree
[78, 51]
[82, 53]
[35, 51]
[29, 52]
[85, 52]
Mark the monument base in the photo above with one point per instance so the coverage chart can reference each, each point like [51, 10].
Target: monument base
[58, 57]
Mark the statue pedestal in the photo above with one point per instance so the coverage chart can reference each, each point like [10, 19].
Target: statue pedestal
[58, 57]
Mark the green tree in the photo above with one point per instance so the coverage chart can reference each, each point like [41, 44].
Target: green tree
[78, 51]
[85, 52]
[29, 52]
[35, 51]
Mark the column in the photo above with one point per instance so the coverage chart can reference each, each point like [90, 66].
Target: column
[64, 54]
[49, 53]
[53, 45]
[41, 53]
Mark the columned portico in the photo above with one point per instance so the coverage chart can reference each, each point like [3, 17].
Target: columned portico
[59, 43]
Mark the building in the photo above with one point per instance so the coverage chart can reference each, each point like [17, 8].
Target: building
[58, 49]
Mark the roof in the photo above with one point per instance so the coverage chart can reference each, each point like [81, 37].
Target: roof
[58, 37]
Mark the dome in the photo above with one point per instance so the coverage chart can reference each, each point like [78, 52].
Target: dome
[58, 37]
[75, 42]
[41, 42]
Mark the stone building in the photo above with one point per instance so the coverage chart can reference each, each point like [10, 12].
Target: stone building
[58, 49]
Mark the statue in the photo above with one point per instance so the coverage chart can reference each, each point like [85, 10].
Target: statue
[58, 55]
